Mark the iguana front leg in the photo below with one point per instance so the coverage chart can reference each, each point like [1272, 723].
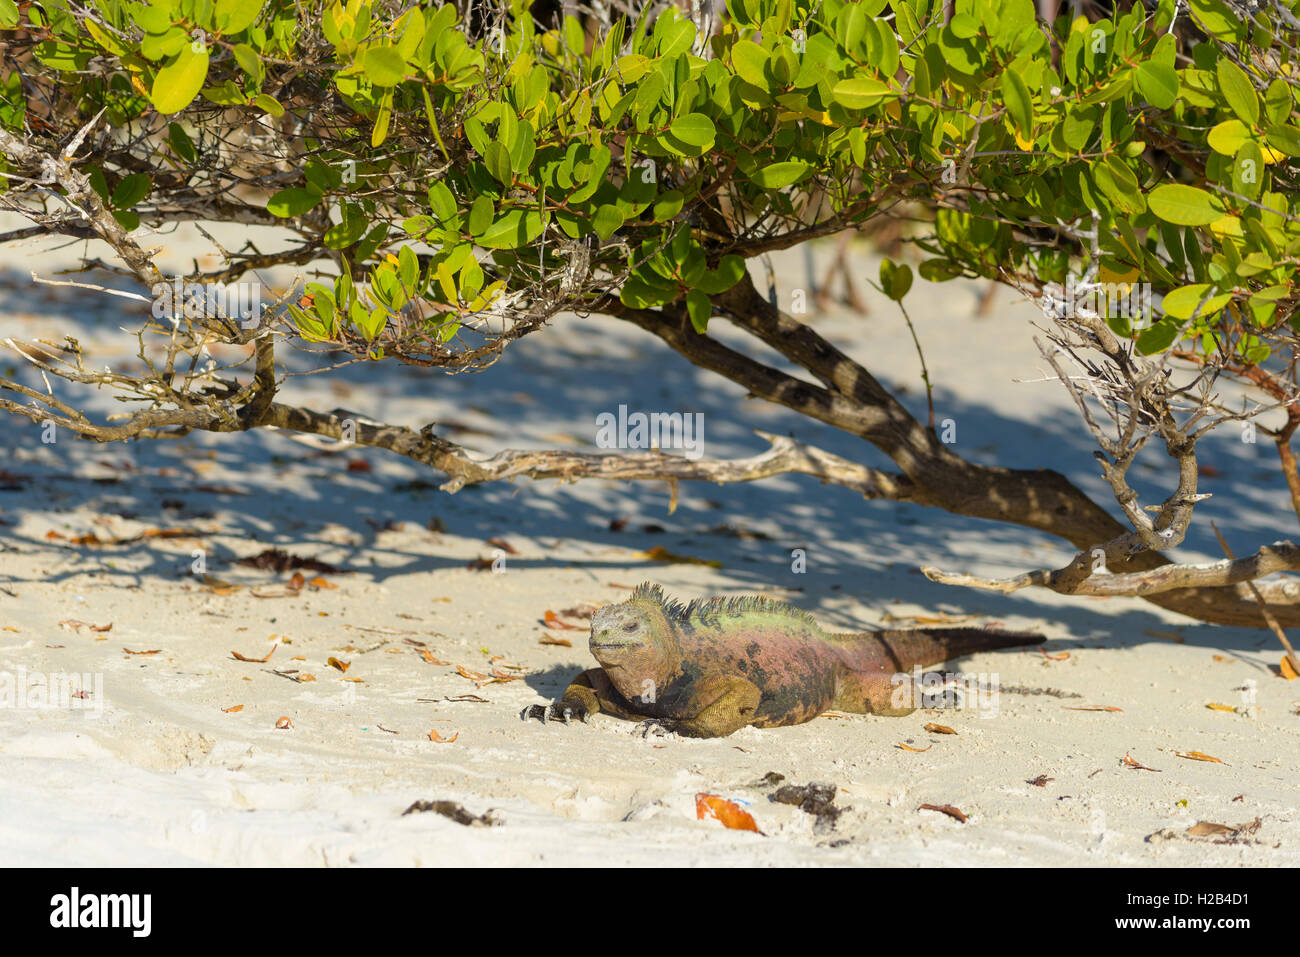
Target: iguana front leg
[589, 693]
[714, 707]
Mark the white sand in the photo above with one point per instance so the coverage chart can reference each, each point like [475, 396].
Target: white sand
[164, 776]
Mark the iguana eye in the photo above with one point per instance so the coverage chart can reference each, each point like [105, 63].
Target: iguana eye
[630, 626]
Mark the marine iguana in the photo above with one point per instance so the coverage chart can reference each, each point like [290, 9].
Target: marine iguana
[713, 666]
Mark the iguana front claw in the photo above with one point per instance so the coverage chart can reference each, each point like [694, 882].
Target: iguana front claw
[563, 710]
[659, 727]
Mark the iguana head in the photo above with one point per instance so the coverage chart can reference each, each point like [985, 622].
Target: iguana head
[635, 643]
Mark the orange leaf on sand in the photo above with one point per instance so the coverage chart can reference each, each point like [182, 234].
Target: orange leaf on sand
[661, 554]
[550, 640]
[1198, 756]
[340, 665]
[939, 728]
[948, 809]
[908, 747]
[432, 660]
[553, 621]
[151, 651]
[439, 739]
[318, 583]
[729, 813]
[1092, 707]
[233, 708]
[1215, 706]
[284, 724]
[1061, 656]
[1130, 762]
[1288, 672]
[239, 657]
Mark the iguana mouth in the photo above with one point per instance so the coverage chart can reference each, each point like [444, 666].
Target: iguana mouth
[610, 645]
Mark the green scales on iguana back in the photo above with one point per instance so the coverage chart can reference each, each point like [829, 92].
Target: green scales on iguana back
[711, 667]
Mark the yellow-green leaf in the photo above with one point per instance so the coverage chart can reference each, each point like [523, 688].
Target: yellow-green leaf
[179, 82]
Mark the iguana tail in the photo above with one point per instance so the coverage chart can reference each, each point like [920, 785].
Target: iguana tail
[902, 649]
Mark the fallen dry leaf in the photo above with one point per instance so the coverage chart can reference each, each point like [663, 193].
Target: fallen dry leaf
[1288, 672]
[1198, 756]
[439, 739]
[73, 624]
[466, 697]
[319, 583]
[239, 657]
[552, 620]
[1129, 762]
[939, 728]
[502, 544]
[1091, 707]
[948, 809]
[908, 747]
[233, 708]
[1215, 706]
[1059, 656]
[551, 640]
[728, 813]
[336, 663]
[151, 651]
[430, 659]
[283, 724]
[661, 554]
[1040, 781]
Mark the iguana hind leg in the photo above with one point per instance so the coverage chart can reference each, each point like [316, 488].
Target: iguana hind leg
[589, 693]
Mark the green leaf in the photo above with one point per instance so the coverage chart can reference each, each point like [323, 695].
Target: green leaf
[384, 66]
[749, 61]
[1182, 302]
[895, 278]
[607, 221]
[131, 190]
[270, 104]
[441, 202]
[1227, 137]
[858, 93]
[717, 281]
[295, 201]
[1238, 91]
[964, 26]
[516, 228]
[1248, 170]
[700, 309]
[1158, 82]
[181, 143]
[1158, 337]
[1019, 106]
[1184, 205]
[236, 16]
[481, 214]
[780, 175]
[694, 129]
[178, 83]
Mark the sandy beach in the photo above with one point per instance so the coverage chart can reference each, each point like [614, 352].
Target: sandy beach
[120, 564]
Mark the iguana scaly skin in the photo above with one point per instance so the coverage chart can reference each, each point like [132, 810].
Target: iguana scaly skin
[712, 667]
